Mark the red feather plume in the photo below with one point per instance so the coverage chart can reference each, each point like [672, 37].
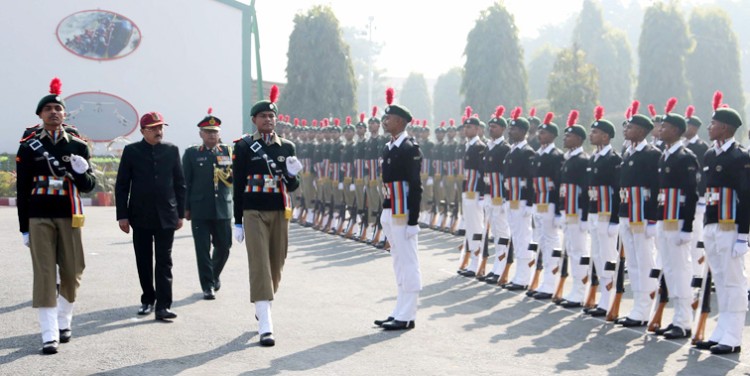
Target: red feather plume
[362, 117]
[463, 119]
[670, 105]
[634, 108]
[210, 110]
[629, 113]
[274, 94]
[572, 117]
[336, 122]
[315, 122]
[389, 93]
[442, 124]
[689, 111]
[286, 118]
[452, 122]
[55, 86]
[467, 112]
[516, 113]
[532, 112]
[652, 110]
[348, 120]
[296, 122]
[424, 123]
[717, 99]
[548, 118]
[499, 111]
[374, 111]
[304, 122]
[598, 113]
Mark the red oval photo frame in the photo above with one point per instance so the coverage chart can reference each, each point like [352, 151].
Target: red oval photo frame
[118, 32]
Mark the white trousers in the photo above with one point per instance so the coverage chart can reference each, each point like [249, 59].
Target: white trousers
[263, 312]
[474, 222]
[639, 257]
[730, 282]
[53, 319]
[575, 247]
[549, 239]
[603, 249]
[695, 252]
[678, 273]
[520, 233]
[500, 230]
[405, 266]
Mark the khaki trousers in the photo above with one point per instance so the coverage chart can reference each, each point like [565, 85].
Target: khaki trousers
[359, 194]
[308, 189]
[54, 242]
[266, 240]
[374, 200]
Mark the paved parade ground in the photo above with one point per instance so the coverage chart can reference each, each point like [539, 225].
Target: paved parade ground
[330, 293]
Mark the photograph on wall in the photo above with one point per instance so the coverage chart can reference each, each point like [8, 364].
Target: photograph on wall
[101, 117]
[98, 34]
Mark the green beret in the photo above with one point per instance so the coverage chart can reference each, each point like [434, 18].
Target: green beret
[349, 127]
[499, 121]
[675, 119]
[642, 121]
[373, 119]
[694, 121]
[534, 120]
[550, 127]
[577, 130]
[521, 123]
[264, 105]
[51, 98]
[605, 126]
[361, 124]
[727, 115]
[473, 121]
[400, 111]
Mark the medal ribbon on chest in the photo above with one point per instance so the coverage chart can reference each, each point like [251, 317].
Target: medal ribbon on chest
[571, 193]
[398, 191]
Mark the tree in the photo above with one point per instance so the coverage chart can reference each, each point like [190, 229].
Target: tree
[539, 70]
[663, 45]
[572, 86]
[609, 51]
[447, 99]
[415, 96]
[494, 73]
[320, 77]
[714, 64]
[364, 52]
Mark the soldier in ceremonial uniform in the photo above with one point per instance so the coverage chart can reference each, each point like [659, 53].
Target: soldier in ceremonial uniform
[639, 181]
[655, 132]
[307, 188]
[428, 155]
[699, 148]
[497, 149]
[360, 174]
[336, 178]
[531, 135]
[318, 172]
[373, 191]
[347, 179]
[726, 168]
[265, 173]
[208, 179]
[519, 193]
[574, 200]
[678, 195]
[52, 170]
[547, 218]
[438, 188]
[459, 227]
[449, 176]
[402, 161]
[472, 196]
[604, 206]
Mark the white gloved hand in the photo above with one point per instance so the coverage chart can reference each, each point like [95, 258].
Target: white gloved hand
[293, 166]
[612, 229]
[352, 187]
[341, 186]
[528, 211]
[239, 233]
[559, 221]
[26, 239]
[651, 230]
[684, 238]
[429, 182]
[584, 226]
[79, 164]
[411, 231]
[740, 248]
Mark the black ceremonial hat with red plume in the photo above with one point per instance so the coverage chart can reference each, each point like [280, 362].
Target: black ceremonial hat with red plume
[517, 121]
[362, 123]
[673, 118]
[532, 117]
[497, 117]
[374, 118]
[395, 109]
[55, 89]
[267, 104]
[691, 118]
[602, 124]
[642, 121]
[573, 127]
[210, 122]
[548, 126]
[725, 114]
[470, 120]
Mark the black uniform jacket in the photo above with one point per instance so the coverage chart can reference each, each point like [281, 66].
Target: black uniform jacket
[680, 171]
[517, 164]
[549, 165]
[402, 164]
[699, 148]
[474, 160]
[730, 169]
[206, 199]
[641, 169]
[574, 171]
[604, 170]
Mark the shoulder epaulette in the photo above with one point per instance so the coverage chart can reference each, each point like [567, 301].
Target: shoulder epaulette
[32, 134]
[32, 126]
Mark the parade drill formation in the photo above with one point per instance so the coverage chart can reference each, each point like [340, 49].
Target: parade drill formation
[671, 211]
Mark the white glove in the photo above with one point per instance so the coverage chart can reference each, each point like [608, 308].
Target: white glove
[341, 186]
[740, 248]
[293, 166]
[584, 226]
[411, 231]
[528, 211]
[684, 238]
[612, 229]
[429, 182]
[239, 233]
[352, 187]
[651, 230]
[79, 164]
[26, 239]
[559, 221]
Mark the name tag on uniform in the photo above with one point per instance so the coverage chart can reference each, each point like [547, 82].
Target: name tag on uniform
[201, 159]
[223, 160]
[55, 183]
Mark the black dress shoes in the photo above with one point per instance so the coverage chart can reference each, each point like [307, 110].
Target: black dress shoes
[381, 322]
[492, 280]
[469, 273]
[65, 335]
[145, 309]
[209, 294]
[217, 284]
[49, 347]
[514, 287]
[630, 323]
[661, 331]
[165, 314]
[569, 304]
[725, 349]
[398, 325]
[676, 333]
[597, 312]
[705, 345]
[542, 296]
[267, 340]
[530, 293]
[483, 278]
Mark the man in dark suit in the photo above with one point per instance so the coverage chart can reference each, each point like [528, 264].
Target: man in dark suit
[208, 177]
[150, 196]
